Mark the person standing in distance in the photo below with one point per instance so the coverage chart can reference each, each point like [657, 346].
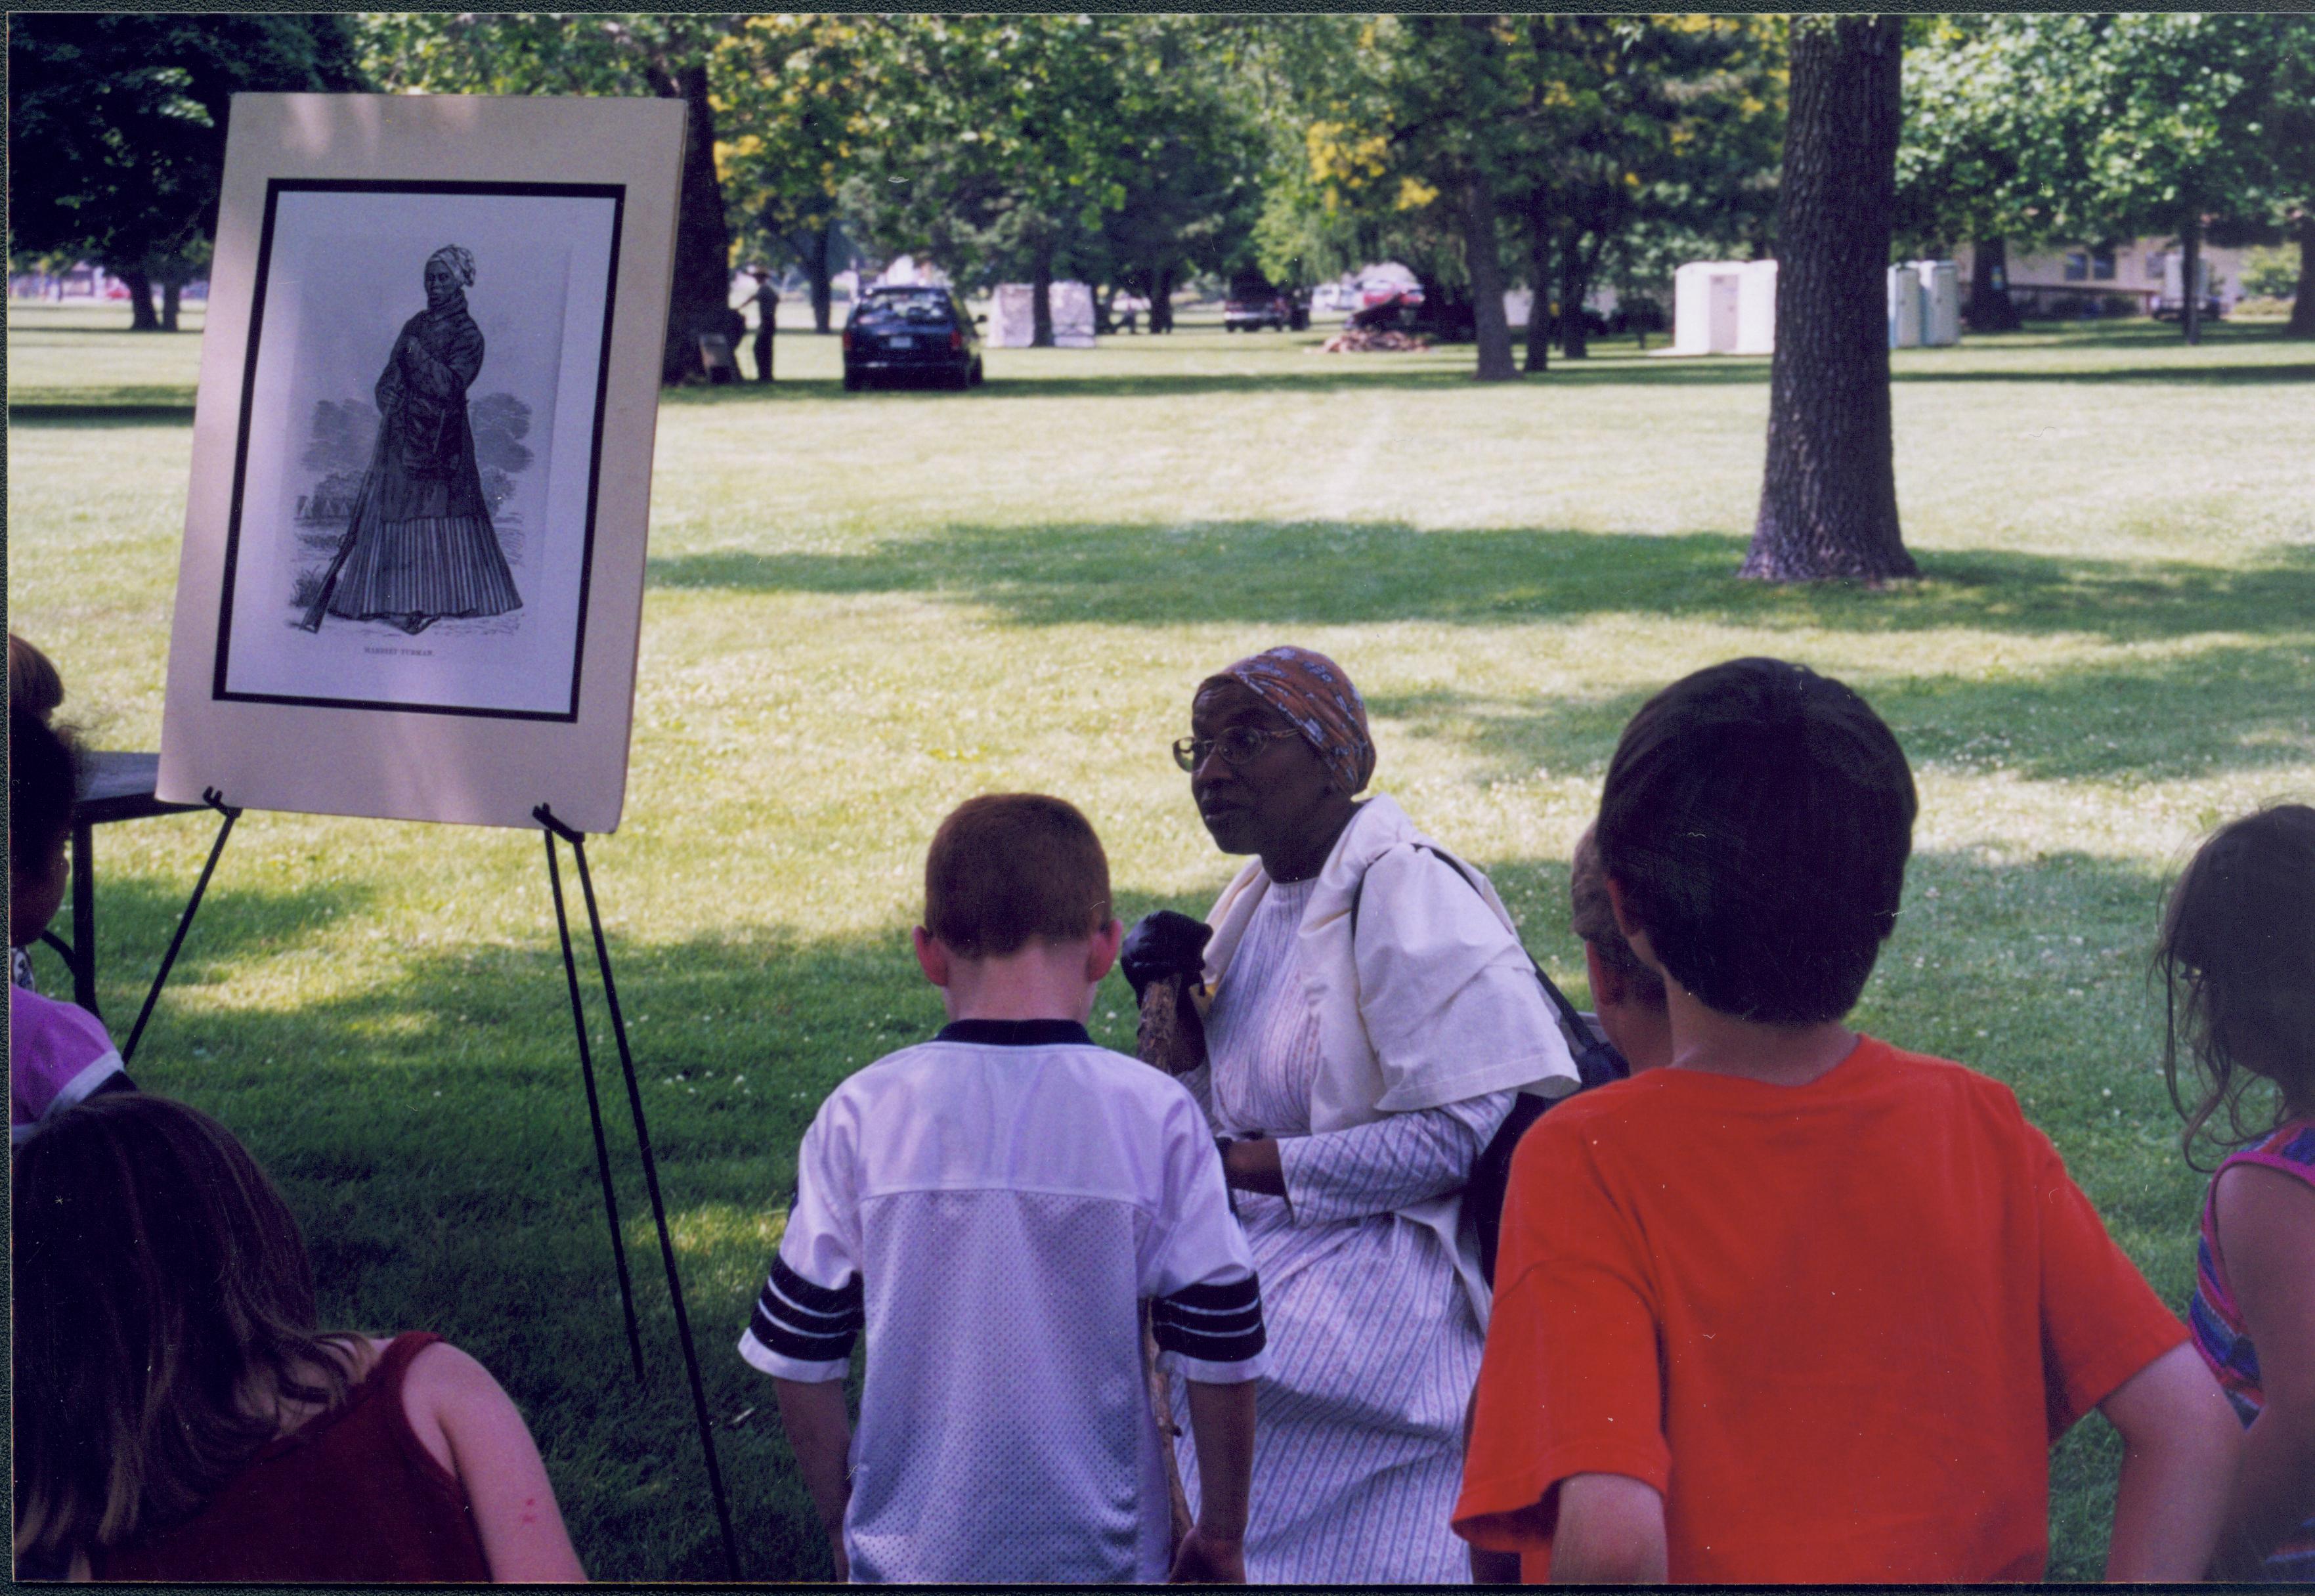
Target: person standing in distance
[768, 322]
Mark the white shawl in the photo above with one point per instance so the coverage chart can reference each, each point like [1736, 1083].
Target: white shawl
[1432, 1001]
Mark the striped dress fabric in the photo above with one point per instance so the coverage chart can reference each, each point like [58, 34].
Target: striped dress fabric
[2217, 1326]
[1373, 1343]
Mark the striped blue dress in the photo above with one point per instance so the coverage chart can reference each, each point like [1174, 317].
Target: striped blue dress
[1373, 1343]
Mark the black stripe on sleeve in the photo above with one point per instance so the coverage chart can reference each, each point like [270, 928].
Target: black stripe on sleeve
[1237, 1294]
[810, 1324]
[820, 1299]
[1216, 1324]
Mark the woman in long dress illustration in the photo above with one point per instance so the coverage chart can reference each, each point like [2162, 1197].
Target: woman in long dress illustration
[419, 546]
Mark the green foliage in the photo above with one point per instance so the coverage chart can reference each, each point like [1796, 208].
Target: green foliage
[535, 52]
[117, 124]
[994, 146]
[1626, 139]
[2047, 128]
[791, 100]
[2271, 274]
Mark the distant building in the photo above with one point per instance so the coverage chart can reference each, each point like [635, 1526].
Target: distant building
[2133, 277]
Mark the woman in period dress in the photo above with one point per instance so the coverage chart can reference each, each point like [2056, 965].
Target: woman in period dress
[420, 546]
[1372, 1017]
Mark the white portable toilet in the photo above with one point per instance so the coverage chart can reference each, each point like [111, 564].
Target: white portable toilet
[1704, 304]
[1904, 301]
[1941, 302]
[1725, 307]
[1011, 319]
[1072, 304]
[1756, 308]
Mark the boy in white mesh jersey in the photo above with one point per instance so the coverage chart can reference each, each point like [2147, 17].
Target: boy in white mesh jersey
[992, 1207]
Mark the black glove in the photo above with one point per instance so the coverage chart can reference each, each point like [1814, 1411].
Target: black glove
[1161, 944]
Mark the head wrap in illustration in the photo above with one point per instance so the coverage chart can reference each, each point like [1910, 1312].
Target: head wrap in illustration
[461, 262]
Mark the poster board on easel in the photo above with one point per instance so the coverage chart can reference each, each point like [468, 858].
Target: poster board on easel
[411, 579]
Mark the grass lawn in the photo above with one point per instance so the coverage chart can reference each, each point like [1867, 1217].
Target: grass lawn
[863, 608]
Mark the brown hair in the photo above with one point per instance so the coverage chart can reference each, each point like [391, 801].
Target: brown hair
[163, 1307]
[33, 683]
[44, 768]
[2237, 964]
[1012, 868]
[1757, 818]
[1593, 918]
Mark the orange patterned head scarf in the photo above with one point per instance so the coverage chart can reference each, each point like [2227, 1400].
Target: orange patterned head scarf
[1312, 692]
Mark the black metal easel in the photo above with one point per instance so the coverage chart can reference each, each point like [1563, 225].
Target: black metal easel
[216, 801]
[551, 829]
[554, 829]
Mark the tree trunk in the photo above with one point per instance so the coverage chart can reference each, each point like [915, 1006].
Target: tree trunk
[1574, 288]
[1829, 492]
[2301, 323]
[141, 318]
[172, 293]
[823, 279]
[1161, 300]
[701, 290]
[1483, 257]
[2190, 278]
[1041, 298]
[1539, 277]
[1990, 306]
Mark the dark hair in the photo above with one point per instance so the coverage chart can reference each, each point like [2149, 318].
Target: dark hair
[161, 1288]
[43, 783]
[1011, 868]
[33, 683]
[2237, 964]
[1592, 917]
[1758, 817]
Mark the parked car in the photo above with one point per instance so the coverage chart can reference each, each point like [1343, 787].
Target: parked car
[2171, 308]
[1382, 293]
[1251, 311]
[910, 331]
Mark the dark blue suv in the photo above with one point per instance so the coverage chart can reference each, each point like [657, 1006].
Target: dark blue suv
[910, 333]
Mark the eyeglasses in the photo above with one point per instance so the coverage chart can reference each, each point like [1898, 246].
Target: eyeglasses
[1239, 745]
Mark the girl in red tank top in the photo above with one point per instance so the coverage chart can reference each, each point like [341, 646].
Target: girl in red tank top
[179, 1416]
[2239, 957]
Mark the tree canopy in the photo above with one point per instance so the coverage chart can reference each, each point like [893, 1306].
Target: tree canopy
[117, 123]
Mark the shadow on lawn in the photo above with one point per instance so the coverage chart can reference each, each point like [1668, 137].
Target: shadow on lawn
[136, 917]
[1347, 574]
[2225, 709]
[125, 407]
[1355, 374]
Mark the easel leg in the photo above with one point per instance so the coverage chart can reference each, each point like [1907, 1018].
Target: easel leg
[84, 898]
[651, 1182]
[594, 1111]
[87, 941]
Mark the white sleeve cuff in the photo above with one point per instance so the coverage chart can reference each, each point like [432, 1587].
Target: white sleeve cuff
[1216, 1374]
[760, 1356]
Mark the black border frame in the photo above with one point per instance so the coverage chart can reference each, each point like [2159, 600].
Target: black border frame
[617, 194]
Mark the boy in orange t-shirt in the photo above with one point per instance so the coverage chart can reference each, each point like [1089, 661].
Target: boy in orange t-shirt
[1800, 1306]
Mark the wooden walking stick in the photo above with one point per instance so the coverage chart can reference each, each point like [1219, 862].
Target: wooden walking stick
[1172, 1037]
